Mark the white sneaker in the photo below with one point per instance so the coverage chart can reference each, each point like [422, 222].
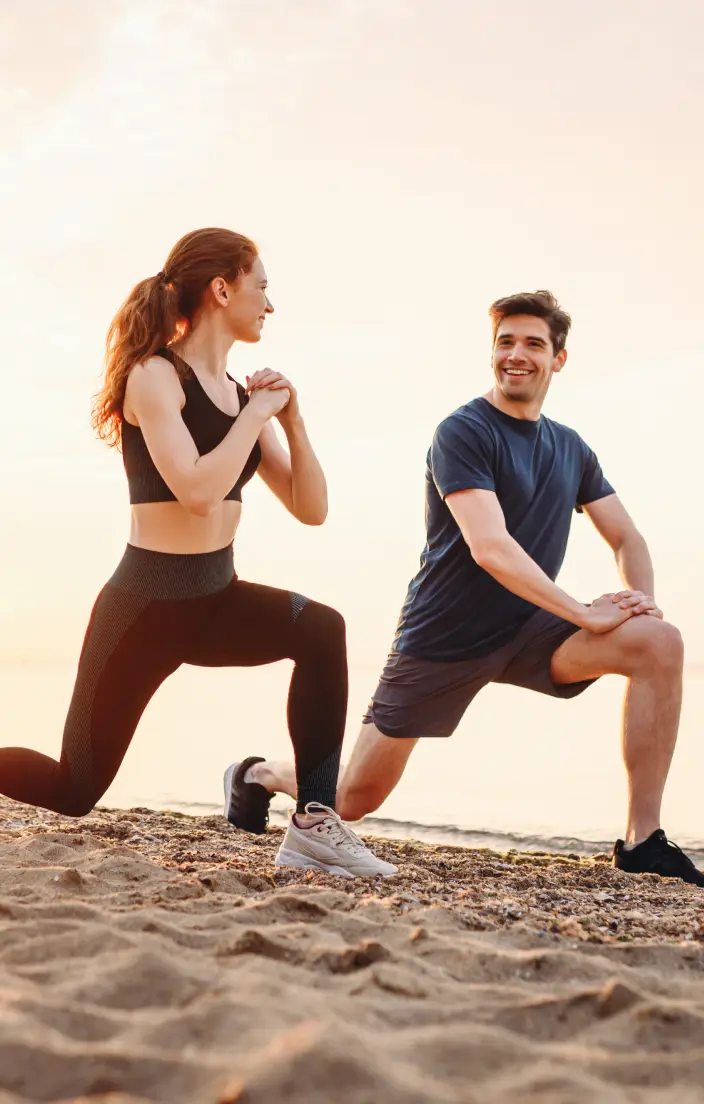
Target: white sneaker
[330, 845]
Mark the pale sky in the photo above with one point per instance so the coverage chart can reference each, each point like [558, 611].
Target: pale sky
[401, 164]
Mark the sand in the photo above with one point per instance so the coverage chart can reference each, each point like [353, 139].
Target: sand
[156, 957]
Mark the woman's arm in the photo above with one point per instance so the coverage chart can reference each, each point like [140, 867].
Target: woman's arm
[295, 477]
[155, 399]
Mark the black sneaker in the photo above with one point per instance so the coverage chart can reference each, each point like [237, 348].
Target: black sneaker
[246, 803]
[657, 855]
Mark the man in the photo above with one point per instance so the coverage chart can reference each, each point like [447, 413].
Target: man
[501, 484]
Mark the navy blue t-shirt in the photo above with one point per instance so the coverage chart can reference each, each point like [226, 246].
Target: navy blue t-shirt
[540, 471]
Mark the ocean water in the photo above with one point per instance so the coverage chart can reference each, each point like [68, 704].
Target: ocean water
[522, 770]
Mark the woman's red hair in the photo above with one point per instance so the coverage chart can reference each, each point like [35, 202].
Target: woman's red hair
[161, 308]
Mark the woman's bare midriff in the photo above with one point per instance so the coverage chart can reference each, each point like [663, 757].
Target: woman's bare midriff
[168, 527]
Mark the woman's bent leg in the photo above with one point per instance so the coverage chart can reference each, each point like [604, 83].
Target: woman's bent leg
[253, 625]
[122, 663]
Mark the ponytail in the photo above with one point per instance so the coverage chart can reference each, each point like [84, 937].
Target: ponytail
[146, 321]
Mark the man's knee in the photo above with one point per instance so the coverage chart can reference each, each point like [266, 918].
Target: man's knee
[358, 802]
[649, 642]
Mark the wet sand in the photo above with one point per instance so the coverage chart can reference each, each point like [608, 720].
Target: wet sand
[157, 957]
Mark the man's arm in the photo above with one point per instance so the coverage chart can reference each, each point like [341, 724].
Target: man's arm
[481, 521]
[613, 522]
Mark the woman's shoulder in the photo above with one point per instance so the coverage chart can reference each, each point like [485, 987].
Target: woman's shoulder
[155, 369]
[153, 381]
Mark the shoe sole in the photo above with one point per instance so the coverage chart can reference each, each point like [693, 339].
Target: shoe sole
[667, 877]
[305, 862]
[227, 783]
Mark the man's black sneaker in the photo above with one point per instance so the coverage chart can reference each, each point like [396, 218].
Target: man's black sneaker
[246, 803]
[657, 855]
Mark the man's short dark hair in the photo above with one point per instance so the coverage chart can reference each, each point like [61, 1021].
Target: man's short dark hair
[541, 304]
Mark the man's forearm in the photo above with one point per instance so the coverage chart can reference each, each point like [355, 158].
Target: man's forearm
[309, 491]
[506, 562]
[635, 565]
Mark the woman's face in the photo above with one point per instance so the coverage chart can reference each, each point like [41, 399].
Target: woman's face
[247, 304]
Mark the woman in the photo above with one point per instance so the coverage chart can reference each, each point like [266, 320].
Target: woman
[191, 439]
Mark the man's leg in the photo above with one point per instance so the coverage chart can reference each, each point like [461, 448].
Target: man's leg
[375, 767]
[415, 698]
[649, 652]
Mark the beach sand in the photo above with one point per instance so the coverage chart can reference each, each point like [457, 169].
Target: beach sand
[157, 957]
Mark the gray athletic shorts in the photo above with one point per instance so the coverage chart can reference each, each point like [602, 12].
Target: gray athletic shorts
[425, 697]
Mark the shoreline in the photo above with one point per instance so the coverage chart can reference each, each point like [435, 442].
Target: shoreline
[451, 834]
[161, 957]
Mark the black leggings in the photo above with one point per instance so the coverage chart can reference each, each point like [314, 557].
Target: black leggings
[160, 610]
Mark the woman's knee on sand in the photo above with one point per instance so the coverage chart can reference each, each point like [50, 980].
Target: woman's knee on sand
[76, 794]
[76, 807]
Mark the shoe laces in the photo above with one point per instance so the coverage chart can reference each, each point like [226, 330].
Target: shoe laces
[337, 832]
[670, 850]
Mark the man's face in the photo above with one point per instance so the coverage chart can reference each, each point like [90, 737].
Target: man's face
[523, 358]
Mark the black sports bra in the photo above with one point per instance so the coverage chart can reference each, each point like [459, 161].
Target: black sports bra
[208, 426]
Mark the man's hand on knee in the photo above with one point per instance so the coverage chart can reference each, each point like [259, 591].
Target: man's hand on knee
[631, 603]
[607, 613]
[637, 602]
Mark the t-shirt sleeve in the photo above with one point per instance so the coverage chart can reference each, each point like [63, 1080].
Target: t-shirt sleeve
[594, 484]
[461, 458]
